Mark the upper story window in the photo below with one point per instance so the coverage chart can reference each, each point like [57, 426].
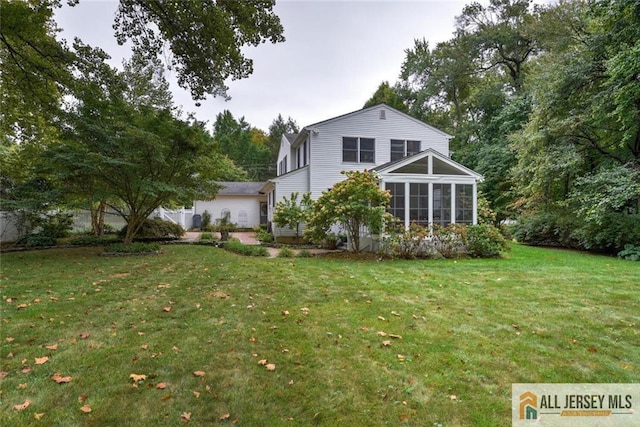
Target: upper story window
[358, 150]
[302, 155]
[282, 166]
[402, 148]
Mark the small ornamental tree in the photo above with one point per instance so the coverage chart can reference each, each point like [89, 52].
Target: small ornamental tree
[291, 213]
[354, 203]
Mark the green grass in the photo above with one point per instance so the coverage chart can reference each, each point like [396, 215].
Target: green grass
[469, 329]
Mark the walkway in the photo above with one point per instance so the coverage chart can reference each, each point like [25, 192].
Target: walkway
[248, 238]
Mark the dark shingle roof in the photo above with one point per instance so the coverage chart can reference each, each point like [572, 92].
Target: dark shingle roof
[240, 188]
[291, 137]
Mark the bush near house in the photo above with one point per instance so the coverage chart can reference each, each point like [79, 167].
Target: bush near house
[453, 241]
[156, 228]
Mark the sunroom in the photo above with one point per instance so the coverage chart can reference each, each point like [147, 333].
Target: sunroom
[429, 188]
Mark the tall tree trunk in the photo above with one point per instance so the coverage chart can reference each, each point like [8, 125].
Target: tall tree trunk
[97, 218]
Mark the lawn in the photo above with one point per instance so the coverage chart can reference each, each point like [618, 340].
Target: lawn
[215, 337]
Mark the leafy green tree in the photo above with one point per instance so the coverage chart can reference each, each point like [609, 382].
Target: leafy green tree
[245, 145]
[291, 213]
[205, 38]
[579, 153]
[357, 203]
[385, 94]
[279, 126]
[500, 34]
[134, 156]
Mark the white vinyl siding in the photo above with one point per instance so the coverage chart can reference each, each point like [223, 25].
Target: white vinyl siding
[326, 142]
[244, 210]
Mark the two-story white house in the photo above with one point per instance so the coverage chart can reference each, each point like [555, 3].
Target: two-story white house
[411, 158]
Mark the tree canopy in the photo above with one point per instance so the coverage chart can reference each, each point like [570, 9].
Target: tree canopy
[544, 101]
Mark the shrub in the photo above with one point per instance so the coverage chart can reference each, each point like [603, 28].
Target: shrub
[304, 253]
[133, 248]
[264, 236]
[92, 240]
[630, 253]
[206, 220]
[156, 228]
[39, 240]
[54, 225]
[485, 241]
[235, 246]
[206, 236]
[409, 244]
[545, 229]
[286, 253]
[450, 241]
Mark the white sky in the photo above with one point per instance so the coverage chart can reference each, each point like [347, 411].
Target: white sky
[335, 55]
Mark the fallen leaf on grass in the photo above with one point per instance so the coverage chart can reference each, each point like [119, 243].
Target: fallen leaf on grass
[136, 377]
[167, 308]
[386, 343]
[84, 335]
[60, 379]
[381, 318]
[197, 305]
[225, 416]
[38, 416]
[262, 362]
[398, 337]
[453, 397]
[186, 416]
[51, 347]
[82, 398]
[285, 312]
[271, 367]
[22, 386]
[86, 409]
[395, 313]
[19, 306]
[382, 334]
[199, 373]
[592, 350]
[196, 394]
[22, 406]
[161, 386]
[25, 370]
[401, 357]
[404, 418]
[3, 374]
[9, 339]
[41, 360]
[304, 310]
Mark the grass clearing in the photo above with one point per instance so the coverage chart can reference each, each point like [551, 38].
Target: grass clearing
[467, 330]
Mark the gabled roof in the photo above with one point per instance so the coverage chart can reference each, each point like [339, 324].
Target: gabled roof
[389, 167]
[299, 137]
[344, 116]
[291, 137]
[240, 188]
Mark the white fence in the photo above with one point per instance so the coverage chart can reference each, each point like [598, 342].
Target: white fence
[9, 231]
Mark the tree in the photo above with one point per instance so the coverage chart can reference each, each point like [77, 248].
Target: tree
[135, 156]
[386, 94]
[500, 35]
[205, 37]
[245, 145]
[356, 203]
[579, 152]
[279, 126]
[291, 213]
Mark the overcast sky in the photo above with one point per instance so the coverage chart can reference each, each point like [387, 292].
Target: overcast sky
[335, 55]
